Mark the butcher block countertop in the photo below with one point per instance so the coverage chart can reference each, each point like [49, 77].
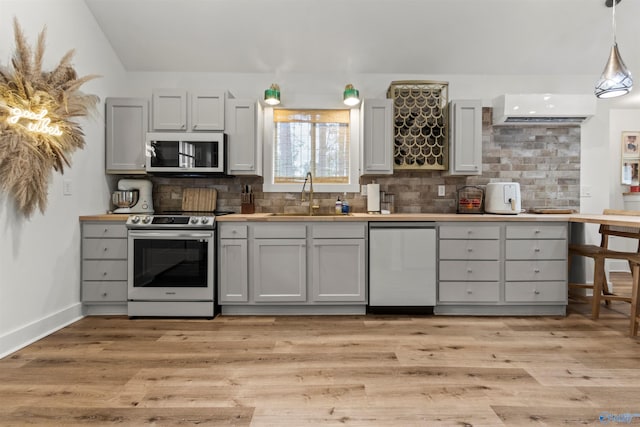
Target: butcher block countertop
[268, 217]
[619, 220]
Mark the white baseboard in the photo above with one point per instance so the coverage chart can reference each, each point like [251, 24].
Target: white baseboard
[22, 337]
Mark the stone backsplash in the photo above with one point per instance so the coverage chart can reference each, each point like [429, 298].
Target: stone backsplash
[545, 160]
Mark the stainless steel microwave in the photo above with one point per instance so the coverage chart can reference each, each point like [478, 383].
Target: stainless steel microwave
[185, 152]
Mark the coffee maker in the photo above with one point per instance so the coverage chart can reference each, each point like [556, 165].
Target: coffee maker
[126, 200]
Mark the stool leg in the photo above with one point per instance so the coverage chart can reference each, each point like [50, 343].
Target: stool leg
[598, 279]
[635, 290]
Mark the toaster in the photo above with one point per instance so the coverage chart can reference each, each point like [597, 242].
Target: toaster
[503, 198]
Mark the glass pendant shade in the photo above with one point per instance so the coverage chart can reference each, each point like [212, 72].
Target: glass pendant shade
[351, 96]
[616, 79]
[272, 95]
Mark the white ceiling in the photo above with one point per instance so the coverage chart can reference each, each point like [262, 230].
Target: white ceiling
[369, 36]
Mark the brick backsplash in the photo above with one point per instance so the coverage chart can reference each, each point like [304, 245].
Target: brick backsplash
[545, 160]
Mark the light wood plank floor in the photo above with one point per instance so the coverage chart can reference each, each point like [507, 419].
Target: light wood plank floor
[346, 371]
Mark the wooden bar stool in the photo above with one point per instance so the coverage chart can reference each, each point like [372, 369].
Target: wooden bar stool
[601, 253]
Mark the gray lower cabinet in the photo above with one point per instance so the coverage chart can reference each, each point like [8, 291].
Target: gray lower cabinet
[338, 254]
[104, 266]
[514, 268]
[291, 267]
[233, 263]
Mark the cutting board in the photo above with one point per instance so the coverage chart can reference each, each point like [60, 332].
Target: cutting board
[199, 199]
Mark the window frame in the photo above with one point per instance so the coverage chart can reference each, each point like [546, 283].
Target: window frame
[353, 186]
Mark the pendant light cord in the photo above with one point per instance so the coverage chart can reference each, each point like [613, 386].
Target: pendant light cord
[613, 24]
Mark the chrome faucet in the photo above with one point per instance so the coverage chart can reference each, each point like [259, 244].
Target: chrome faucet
[309, 178]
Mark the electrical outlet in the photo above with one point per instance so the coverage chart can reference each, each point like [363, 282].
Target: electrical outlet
[585, 191]
[441, 191]
[363, 190]
[66, 187]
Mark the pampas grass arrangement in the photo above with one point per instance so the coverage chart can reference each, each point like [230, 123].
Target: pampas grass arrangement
[27, 158]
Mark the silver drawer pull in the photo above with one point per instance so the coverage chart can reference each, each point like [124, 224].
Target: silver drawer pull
[106, 249]
[536, 292]
[469, 270]
[104, 294]
[469, 249]
[104, 274]
[469, 291]
[536, 250]
[536, 270]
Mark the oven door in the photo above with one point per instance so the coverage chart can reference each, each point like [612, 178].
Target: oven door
[171, 265]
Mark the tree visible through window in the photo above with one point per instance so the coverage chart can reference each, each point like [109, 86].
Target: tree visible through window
[315, 141]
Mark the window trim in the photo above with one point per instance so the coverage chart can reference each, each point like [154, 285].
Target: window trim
[353, 186]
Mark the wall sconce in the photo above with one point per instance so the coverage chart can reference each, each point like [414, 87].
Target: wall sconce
[616, 78]
[351, 96]
[272, 95]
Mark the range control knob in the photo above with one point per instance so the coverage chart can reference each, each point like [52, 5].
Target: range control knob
[205, 220]
[194, 220]
[146, 219]
[135, 219]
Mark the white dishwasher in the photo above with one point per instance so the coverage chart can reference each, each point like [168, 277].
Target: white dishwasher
[402, 265]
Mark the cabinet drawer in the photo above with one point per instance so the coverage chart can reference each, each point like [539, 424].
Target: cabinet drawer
[104, 291]
[523, 271]
[470, 270]
[104, 230]
[469, 292]
[536, 292]
[338, 231]
[470, 249]
[536, 249]
[104, 248]
[537, 231]
[280, 231]
[233, 231]
[470, 231]
[104, 269]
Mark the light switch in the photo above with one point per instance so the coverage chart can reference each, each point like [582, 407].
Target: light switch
[66, 187]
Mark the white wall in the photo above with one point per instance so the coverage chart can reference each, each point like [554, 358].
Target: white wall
[39, 257]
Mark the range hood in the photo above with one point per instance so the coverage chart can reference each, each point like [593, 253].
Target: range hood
[543, 109]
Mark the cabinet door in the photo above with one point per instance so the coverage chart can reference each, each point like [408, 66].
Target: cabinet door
[279, 270]
[126, 128]
[169, 109]
[377, 146]
[466, 137]
[207, 111]
[233, 268]
[338, 267]
[240, 125]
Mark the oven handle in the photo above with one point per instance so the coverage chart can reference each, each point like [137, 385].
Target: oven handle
[188, 235]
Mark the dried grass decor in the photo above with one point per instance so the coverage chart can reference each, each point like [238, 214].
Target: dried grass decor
[34, 141]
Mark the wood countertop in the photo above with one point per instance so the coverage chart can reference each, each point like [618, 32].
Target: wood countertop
[268, 217]
[619, 220]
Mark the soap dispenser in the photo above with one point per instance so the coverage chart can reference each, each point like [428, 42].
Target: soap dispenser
[338, 206]
[345, 204]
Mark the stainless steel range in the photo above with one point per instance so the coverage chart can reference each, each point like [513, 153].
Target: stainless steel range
[172, 265]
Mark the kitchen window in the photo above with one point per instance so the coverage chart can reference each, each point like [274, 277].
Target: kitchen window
[321, 141]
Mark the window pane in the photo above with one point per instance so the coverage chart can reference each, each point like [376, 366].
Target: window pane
[311, 140]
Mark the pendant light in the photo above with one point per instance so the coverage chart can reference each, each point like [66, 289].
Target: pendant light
[272, 95]
[616, 78]
[351, 96]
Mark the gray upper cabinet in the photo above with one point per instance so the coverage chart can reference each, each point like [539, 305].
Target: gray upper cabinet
[207, 111]
[377, 137]
[244, 142]
[169, 109]
[465, 157]
[179, 110]
[127, 121]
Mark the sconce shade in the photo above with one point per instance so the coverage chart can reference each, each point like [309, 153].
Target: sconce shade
[351, 95]
[616, 79]
[272, 95]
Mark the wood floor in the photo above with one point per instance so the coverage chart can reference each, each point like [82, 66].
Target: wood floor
[328, 371]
